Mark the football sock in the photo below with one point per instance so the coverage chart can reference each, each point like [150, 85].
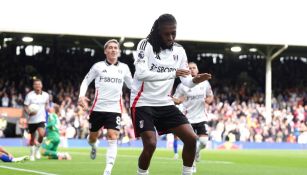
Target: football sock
[111, 154]
[186, 170]
[142, 172]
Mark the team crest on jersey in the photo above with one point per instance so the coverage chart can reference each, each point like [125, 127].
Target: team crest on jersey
[120, 71]
[142, 124]
[175, 57]
[104, 71]
[141, 54]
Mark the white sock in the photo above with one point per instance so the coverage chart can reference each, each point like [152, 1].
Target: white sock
[111, 154]
[33, 149]
[37, 147]
[201, 144]
[16, 159]
[142, 172]
[194, 167]
[187, 170]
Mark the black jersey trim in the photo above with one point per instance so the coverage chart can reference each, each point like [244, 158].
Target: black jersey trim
[143, 45]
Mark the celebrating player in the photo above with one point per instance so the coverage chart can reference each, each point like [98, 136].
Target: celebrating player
[158, 61]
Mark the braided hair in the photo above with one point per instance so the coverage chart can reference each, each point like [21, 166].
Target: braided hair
[154, 37]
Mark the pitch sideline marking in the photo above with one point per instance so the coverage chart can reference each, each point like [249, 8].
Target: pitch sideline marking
[25, 170]
[164, 158]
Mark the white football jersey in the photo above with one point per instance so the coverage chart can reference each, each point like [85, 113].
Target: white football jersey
[41, 100]
[194, 103]
[109, 80]
[155, 73]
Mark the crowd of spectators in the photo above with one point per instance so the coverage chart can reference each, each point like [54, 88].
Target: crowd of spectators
[237, 112]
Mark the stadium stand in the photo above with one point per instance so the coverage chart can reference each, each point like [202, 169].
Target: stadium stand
[237, 112]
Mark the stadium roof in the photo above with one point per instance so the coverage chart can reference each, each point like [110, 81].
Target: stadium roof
[232, 21]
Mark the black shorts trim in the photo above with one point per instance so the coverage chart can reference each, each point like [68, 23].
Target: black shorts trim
[32, 127]
[162, 119]
[108, 120]
[200, 128]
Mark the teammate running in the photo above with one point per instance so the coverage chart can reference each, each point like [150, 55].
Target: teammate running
[194, 107]
[36, 120]
[106, 110]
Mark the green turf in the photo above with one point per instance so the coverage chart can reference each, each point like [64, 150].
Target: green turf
[241, 162]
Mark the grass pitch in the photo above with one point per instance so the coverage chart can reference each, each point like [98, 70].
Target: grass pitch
[214, 162]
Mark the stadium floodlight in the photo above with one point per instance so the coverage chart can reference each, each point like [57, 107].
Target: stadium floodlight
[235, 49]
[128, 44]
[242, 57]
[198, 57]
[32, 50]
[27, 39]
[304, 60]
[253, 49]
[128, 52]
[7, 39]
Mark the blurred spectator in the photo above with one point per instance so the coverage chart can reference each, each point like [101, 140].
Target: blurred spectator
[5, 100]
[237, 111]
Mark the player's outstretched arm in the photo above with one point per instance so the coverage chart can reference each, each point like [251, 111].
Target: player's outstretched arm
[182, 73]
[202, 77]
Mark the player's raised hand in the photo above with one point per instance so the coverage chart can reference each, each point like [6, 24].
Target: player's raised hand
[182, 73]
[202, 77]
[82, 102]
[179, 100]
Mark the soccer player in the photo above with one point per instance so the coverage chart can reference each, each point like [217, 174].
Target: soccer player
[36, 120]
[106, 110]
[52, 140]
[158, 61]
[8, 157]
[194, 107]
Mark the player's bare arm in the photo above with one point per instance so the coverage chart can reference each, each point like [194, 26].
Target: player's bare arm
[209, 99]
[201, 77]
[179, 100]
[83, 101]
[182, 73]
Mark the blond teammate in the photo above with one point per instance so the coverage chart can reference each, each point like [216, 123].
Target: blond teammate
[109, 76]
